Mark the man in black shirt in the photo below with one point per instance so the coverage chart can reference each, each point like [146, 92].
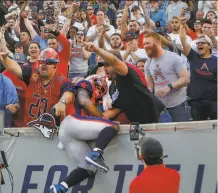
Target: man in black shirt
[131, 94]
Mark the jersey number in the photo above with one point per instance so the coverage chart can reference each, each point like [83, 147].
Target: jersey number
[40, 106]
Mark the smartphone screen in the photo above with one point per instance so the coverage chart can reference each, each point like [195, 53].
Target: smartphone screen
[134, 131]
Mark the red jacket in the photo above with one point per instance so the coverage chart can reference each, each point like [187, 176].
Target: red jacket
[156, 179]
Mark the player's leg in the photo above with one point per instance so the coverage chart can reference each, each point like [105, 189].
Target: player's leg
[100, 129]
[76, 149]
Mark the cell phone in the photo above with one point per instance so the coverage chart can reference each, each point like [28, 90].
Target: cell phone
[134, 131]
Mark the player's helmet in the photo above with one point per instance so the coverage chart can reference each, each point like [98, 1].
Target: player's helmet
[99, 85]
[49, 56]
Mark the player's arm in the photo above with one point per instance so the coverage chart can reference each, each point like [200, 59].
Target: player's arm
[119, 66]
[11, 65]
[111, 113]
[85, 101]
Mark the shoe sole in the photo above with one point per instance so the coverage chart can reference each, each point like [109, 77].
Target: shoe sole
[99, 167]
[53, 188]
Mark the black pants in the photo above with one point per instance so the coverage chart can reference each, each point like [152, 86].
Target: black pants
[204, 110]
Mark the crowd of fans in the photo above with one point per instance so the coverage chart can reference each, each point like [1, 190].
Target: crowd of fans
[183, 74]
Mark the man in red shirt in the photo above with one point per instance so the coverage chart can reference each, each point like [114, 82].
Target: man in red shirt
[92, 16]
[155, 178]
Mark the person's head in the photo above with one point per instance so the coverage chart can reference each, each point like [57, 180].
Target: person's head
[204, 45]
[100, 17]
[60, 26]
[41, 16]
[149, 151]
[141, 64]
[80, 36]
[214, 25]
[134, 26]
[119, 22]
[18, 48]
[77, 14]
[175, 22]
[34, 50]
[53, 43]
[152, 44]
[200, 14]
[76, 4]
[197, 25]
[8, 3]
[115, 41]
[104, 5]
[48, 63]
[25, 37]
[154, 4]
[206, 25]
[131, 39]
[72, 32]
[61, 4]
[210, 15]
[90, 10]
[20, 58]
[84, 15]
[109, 70]
[11, 23]
[136, 11]
[107, 20]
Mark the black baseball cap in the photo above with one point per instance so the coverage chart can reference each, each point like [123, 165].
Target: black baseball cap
[151, 149]
[135, 8]
[115, 53]
[130, 36]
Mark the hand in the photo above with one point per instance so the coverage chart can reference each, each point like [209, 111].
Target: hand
[210, 33]
[128, 3]
[184, 20]
[3, 56]
[60, 109]
[90, 46]
[163, 92]
[12, 108]
[105, 28]
[182, 13]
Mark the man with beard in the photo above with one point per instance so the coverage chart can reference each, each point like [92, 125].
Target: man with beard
[45, 88]
[131, 94]
[115, 41]
[167, 77]
[175, 37]
[202, 89]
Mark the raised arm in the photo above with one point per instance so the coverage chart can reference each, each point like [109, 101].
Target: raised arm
[66, 27]
[119, 66]
[124, 27]
[11, 65]
[186, 47]
[30, 28]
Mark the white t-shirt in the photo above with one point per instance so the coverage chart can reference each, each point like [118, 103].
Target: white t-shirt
[140, 53]
[176, 38]
[92, 31]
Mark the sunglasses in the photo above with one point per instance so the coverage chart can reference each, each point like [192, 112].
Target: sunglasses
[48, 61]
[89, 9]
[197, 23]
[198, 43]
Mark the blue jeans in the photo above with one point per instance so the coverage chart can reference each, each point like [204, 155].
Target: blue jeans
[180, 113]
[165, 117]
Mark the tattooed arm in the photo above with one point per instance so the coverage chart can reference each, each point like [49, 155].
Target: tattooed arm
[85, 101]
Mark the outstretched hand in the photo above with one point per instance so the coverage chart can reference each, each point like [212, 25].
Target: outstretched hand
[90, 46]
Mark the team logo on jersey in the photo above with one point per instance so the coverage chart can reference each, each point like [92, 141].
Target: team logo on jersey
[158, 74]
[204, 70]
[115, 95]
[45, 124]
[35, 76]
